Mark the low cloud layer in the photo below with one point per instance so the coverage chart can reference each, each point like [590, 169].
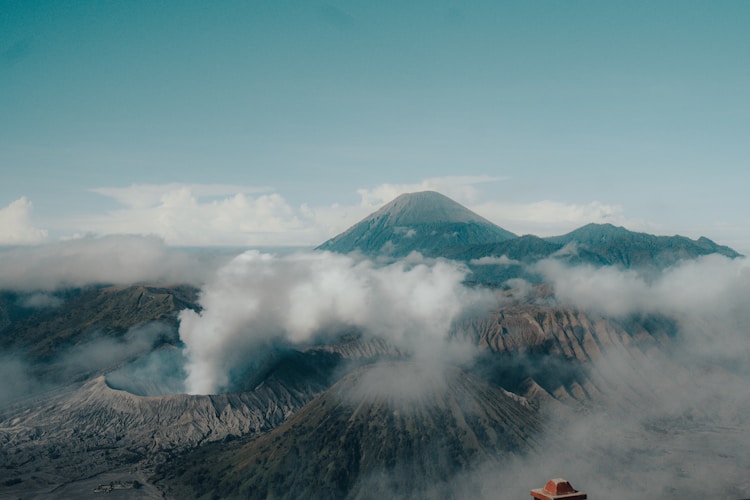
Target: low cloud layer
[16, 380]
[105, 260]
[681, 430]
[688, 433]
[673, 420]
[20, 378]
[258, 299]
[200, 215]
[104, 352]
[711, 283]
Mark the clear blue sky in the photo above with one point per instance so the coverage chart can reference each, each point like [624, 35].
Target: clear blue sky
[276, 112]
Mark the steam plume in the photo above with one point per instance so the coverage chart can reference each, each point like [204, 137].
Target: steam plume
[259, 298]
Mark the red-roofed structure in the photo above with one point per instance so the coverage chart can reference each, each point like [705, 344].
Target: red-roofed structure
[557, 489]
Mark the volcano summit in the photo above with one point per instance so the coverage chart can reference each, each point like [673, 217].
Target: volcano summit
[427, 222]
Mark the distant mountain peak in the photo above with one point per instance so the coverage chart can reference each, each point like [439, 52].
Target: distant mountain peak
[427, 222]
[425, 207]
[620, 246]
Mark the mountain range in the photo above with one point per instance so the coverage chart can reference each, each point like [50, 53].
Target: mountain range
[436, 226]
[350, 414]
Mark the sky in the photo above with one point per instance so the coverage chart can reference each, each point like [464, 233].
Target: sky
[282, 123]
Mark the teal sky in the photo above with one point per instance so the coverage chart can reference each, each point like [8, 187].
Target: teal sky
[258, 122]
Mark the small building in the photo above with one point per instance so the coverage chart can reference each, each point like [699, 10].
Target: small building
[557, 489]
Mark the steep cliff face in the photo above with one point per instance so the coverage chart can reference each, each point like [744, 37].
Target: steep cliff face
[563, 331]
[548, 351]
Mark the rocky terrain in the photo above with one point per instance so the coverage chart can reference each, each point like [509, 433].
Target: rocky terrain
[61, 438]
[638, 402]
[367, 436]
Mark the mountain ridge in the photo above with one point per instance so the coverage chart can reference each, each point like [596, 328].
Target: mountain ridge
[436, 226]
[341, 416]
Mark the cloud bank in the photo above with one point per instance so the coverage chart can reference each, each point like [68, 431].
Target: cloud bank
[105, 260]
[550, 217]
[20, 378]
[258, 299]
[712, 284]
[673, 420]
[200, 215]
[235, 215]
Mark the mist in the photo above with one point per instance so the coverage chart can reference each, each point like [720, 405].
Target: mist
[708, 296]
[104, 352]
[671, 422]
[668, 421]
[20, 377]
[109, 260]
[260, 299]
[17, 380]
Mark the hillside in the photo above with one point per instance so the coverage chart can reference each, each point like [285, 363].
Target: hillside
[75, 316]
[360, 439]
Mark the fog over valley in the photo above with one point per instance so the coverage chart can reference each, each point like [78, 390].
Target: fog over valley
[439, 357]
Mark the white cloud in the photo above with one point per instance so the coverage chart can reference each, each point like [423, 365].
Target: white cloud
[543, 218]
[41, 300]
[218, 214]
[106, 260]
[606, 290]
[710, 285]
[195, 215]
[15, 224]
[257, 299]
[229, 215]
[548, 218]
[673, 415]
[503, 260]
[460, 188]
[149, 195]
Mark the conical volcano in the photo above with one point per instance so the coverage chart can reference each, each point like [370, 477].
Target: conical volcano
[426, 222]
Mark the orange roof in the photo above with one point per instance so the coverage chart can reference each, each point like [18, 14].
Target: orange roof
[557, 489]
